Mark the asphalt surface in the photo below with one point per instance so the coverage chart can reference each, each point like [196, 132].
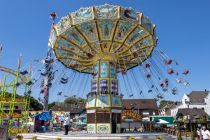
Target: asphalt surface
[85, 136]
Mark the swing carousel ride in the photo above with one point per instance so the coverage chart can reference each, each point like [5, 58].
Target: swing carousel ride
[110, 43]
[15, 92]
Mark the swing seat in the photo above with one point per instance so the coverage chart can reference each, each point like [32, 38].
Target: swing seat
[186, 72]
[166, 81]
[147, 65]
[48, 61]
[186, 83]
[24, 72]
[148, 75]
[131, 95]
[179, 81]
[94, 73]
[170, 71]
[165, 89]
[124, 71]
[168, 62]
[162, 85]
[149, 91]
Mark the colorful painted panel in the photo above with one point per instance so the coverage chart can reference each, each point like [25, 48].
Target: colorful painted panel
[91, 128]
[154, 37]
[65, 44]
[107, 11]
[89, 30]
[103, 85]
[62, 53]
[74, 36]
[146, 41]
[114, 86]
[103, 128]
[104, 69]
[136, 35]
[147, 24]
[124, 27]
[82, 15]
[102, 101]
[63, 25]
[67, 62]
[116, 101]
[91, 101]
[128, 13]
[112, 71]
[95, 70]
[106, 28]
[94, 86]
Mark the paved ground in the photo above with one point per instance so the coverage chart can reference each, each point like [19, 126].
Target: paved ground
[85, 136]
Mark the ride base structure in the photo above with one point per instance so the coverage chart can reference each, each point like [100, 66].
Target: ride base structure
[103, 41]
[104, 105]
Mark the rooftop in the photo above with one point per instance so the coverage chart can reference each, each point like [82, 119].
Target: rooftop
[198, 96]
[192, 112]
[140, 104]
[73, 108]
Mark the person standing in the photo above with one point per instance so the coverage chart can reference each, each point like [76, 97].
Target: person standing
[205, 133]
[66, 123]
[199, 136]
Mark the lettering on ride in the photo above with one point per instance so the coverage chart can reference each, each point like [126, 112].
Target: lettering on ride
[132, 114]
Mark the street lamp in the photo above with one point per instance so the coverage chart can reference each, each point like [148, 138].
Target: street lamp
[188, 116]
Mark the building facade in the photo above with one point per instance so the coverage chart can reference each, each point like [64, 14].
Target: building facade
[194, 100]
[136, 113]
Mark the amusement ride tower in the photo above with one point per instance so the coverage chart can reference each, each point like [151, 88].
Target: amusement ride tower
[103, 41]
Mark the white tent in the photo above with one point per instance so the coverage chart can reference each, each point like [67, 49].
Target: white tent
[162, 122]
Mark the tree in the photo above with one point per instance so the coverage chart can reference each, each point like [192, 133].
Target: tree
[179, 137]
[50, 105]
[194, 134]
[74, 100]
[165, 102]
[35, 104]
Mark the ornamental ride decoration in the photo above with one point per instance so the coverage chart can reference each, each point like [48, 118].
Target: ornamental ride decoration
[115, 33]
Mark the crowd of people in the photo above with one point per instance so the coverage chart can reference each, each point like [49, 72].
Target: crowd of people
[203, 134]
[59, 121]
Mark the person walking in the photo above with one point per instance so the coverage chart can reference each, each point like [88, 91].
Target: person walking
[66, 123]
[205, 133]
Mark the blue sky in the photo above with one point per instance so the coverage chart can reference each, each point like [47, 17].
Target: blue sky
[183, 29]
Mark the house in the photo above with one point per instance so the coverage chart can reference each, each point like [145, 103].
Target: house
[136, 113]
[193, 113]
[166, 110]
[192, 118]
[144, 107]
[74, 109]
[194, 100]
